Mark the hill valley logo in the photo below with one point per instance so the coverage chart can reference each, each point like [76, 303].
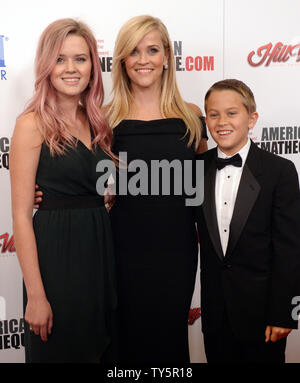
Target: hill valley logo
[275, 53]
[7, 245]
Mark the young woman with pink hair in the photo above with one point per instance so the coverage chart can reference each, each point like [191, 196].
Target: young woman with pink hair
[65, 251]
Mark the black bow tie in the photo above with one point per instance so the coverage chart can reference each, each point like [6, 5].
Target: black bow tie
[235, 161]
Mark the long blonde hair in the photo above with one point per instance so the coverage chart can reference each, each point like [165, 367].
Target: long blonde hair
[171, 103]
[51, 121]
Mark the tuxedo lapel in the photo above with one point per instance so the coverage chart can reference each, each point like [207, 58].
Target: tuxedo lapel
[209, 207]
[248, 192]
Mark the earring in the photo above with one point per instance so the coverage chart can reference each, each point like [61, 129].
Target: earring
[166, 66]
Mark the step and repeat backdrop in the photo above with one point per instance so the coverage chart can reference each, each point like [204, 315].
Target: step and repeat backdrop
[257, 42]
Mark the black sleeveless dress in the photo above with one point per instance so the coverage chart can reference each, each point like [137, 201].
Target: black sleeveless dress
[156, 250]
[75, 252]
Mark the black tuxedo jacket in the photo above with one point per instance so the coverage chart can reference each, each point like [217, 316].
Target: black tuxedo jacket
[259, 275]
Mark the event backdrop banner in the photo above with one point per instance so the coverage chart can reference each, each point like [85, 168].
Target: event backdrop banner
[257, 42]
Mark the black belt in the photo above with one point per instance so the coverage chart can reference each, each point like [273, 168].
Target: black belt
[71, 202]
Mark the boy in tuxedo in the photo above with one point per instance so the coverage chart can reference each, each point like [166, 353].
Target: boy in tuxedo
[249, 229]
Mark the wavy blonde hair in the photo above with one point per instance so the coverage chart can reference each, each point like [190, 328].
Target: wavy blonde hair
[51, 121]
[171, 103]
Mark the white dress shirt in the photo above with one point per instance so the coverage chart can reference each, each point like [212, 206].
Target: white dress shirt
[227, 184]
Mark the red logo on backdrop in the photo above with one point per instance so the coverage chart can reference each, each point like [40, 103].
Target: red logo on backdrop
[194, 314]
[278, 53]
[7, 244]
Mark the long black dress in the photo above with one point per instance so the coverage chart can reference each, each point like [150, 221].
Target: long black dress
[156, 251]
[75, 253]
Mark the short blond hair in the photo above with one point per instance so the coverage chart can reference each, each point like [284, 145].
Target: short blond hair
[237, 86]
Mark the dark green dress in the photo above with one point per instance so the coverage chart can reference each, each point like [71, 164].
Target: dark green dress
[75, 253]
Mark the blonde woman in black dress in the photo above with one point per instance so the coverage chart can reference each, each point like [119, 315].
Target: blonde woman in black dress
[155, 236]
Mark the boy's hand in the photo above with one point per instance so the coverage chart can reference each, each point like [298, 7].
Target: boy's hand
[274, 333]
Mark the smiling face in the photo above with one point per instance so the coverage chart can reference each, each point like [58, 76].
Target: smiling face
[144, 66]
[228, 120]
[71, 73]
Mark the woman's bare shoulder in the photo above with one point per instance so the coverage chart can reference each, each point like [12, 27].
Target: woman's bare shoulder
[195, 108]
[27, 127]
[27, 121]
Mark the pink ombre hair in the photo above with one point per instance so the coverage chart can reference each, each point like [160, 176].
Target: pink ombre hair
[51, 121]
